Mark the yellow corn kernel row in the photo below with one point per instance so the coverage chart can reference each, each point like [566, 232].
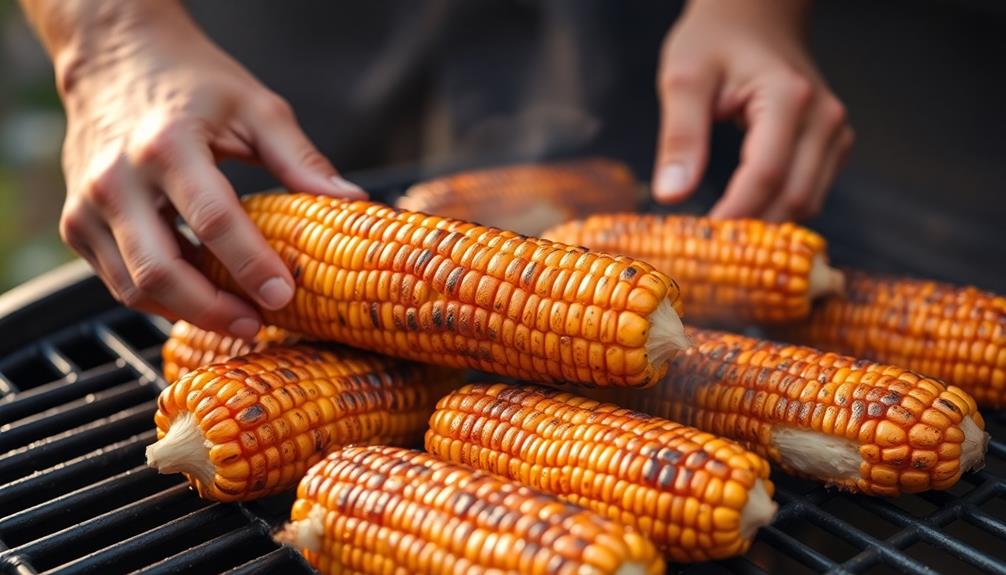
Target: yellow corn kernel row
[375, 510]
[697, 496]
[954, 333]
[527, 198]
[732, 272]
[460, 295]
[251, 426]
[189, 347]
[863, 426]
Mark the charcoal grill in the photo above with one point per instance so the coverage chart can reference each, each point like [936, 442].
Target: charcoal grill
[79, 377]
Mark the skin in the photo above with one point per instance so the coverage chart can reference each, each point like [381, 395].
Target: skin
[153, 105]
[746, 60]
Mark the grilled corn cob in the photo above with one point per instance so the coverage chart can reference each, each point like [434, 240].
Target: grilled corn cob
[695, 495]
[862, 426]
[732, 272]
[457, 294]
[957, 334]
[251, 426]
[527, 198]
[390, 510]
[189, 347]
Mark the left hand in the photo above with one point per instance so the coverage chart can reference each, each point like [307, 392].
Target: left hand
[746, 60]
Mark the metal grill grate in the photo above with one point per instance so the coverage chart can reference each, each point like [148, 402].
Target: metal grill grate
[76, 497]
[76, 413]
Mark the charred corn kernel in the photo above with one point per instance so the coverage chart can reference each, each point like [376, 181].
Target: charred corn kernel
[859, 425]
[527, 198]
[377, 509]
[251, 426]
[189, 347]
[418, 254]
[732, 272]
[957, 334]
[723, 487]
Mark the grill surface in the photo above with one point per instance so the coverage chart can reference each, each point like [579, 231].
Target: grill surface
[79, 378]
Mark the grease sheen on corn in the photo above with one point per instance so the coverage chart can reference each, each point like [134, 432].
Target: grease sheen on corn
[376, 510]
[863, 426]
[251, 426]
[696, 496]
[732, 272]
[527, 198]
[189, 347]
[954, 333]
[461, 295]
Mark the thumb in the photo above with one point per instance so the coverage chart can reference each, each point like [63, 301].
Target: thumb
[286, 151]
[686, 114]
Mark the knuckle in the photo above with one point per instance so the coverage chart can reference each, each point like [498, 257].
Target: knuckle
[151, 276]
[769, 175]
[130, 297]
[676, 77]
[833, 112]
[158, 146]
[210, 220]
[275, 106]
[72, 226]
[102, 189]
[312, 158]
[798, 88]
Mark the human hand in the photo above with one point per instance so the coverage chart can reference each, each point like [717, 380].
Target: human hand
[151, 106]
[746, 60]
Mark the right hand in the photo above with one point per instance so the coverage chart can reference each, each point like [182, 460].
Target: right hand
[151, 106]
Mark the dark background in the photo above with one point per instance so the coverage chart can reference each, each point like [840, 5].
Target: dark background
[428, 86]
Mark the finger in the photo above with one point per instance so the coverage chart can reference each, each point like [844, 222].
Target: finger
[208, 203]
[687, 96]
[774, 115]
[836, 159]
[817, 141]
[157, 269]
[291, 157]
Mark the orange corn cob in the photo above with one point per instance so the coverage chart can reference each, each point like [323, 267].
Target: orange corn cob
[390, 510]
[732, 272]
[189, 347]
[862, 426]
[527, 198]
[957, 334]
[697, 496]
[251, 426]
[460, 295]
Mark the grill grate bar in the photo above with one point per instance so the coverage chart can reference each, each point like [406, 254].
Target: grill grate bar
[88, 408]
[186, 560]
[110, 520]
[985, 521]
[15, 565]
[55, 393]
[57, 506]
[51, 450]
[119, 347]
[108, 557]
[63, 364]
[803, 553]
[40, 484]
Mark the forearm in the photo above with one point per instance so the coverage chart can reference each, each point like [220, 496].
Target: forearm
[792, 15]
[80, 35]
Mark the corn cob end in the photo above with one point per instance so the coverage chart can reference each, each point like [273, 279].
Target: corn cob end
[758, 511]
[824, 280]
[304, 533]
[183, 449]
[667, 334]
[841, 461]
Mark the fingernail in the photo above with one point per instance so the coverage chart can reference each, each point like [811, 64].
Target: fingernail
[244, 328]
[274, 293]
[347, 188]
[671, 181]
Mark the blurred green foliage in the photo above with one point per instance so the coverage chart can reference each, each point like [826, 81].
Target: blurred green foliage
[31, 126]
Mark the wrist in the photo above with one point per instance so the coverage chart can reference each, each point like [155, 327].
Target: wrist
[84, 37]
[786, 15]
